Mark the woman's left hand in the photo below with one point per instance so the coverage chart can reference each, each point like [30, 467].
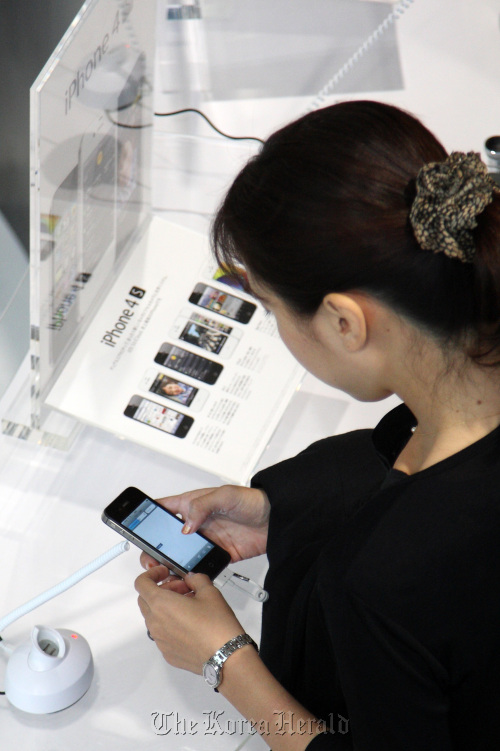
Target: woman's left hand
[189, 618]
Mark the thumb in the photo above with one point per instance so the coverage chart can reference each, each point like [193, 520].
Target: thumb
[147, 583]
[215, 502]
[199, 510]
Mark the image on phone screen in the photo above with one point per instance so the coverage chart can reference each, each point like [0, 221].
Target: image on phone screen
[158, 531]
[203, 337]
[158, 416]
[171, 388]
[222, 303]
[237, 281]
[161, 530]
[204, 320]
[183, 361]
[219, 339]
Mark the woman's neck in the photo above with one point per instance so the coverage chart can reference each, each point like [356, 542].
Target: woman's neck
[454, 408]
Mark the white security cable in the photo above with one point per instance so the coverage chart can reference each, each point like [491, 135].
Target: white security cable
[7, 648]
[381, 28]
[49, 594]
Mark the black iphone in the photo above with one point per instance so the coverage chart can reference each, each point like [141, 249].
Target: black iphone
[187, 363]
[158, 416]
[222, 303]
[158, 532]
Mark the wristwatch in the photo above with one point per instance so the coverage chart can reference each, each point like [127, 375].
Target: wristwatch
[212, 668]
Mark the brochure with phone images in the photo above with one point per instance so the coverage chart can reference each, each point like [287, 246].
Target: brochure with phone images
[181, 360]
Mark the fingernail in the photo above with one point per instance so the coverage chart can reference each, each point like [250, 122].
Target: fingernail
[186, 529]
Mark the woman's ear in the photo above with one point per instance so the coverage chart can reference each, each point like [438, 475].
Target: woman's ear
[344, 317]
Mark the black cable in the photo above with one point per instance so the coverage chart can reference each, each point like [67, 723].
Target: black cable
[126, 125]
[181, 112]
[199, 112]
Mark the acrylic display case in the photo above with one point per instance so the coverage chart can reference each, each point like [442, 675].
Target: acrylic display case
[90, 187]
[122, 68]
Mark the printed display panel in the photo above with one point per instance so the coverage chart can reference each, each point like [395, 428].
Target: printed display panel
[156, 368]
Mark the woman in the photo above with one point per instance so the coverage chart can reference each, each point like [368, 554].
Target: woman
[380, 258]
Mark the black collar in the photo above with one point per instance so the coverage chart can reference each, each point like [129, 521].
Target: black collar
[393, 433]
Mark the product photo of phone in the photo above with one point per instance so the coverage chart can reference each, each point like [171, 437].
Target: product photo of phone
[173, 389]
[199, 317]
[206, 337]
[188, 363]
[158, 416]
[222, 303]
[157, 531]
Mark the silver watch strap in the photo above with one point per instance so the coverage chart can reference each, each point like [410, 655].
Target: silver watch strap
[231, 646]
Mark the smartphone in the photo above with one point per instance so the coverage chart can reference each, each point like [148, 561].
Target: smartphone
[201, 334]
[158, 532]
[188, 363]
[173, 389]
[158, 416]
[222, 303]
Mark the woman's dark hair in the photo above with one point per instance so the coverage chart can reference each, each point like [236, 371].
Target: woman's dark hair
[324, 207]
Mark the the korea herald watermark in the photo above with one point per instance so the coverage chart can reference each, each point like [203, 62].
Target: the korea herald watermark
[215, 722]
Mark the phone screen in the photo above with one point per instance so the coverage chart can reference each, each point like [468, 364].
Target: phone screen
[162, 531]
[201, 336]
[158, 416]
[238, 280]
[188, 363]
[159, 532]
[222, 303]
[173, 389]
[211, 323]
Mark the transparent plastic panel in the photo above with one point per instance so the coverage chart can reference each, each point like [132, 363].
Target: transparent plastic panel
[14, 304]
[251, 66]
[248, 49]
[91, 119]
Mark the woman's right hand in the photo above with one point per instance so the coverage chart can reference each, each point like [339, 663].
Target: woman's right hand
[234, 517]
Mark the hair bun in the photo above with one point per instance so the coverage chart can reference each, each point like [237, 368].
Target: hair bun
[450, 196]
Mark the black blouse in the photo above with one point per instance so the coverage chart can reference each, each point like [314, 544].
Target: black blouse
[384, 610]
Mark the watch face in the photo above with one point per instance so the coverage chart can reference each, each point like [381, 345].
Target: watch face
[210, 674]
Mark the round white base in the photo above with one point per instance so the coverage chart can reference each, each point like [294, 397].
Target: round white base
[49, 672]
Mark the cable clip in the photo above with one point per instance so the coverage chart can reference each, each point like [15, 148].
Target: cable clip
[243, 583]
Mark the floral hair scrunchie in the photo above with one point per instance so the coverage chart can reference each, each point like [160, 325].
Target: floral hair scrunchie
[450, 197]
